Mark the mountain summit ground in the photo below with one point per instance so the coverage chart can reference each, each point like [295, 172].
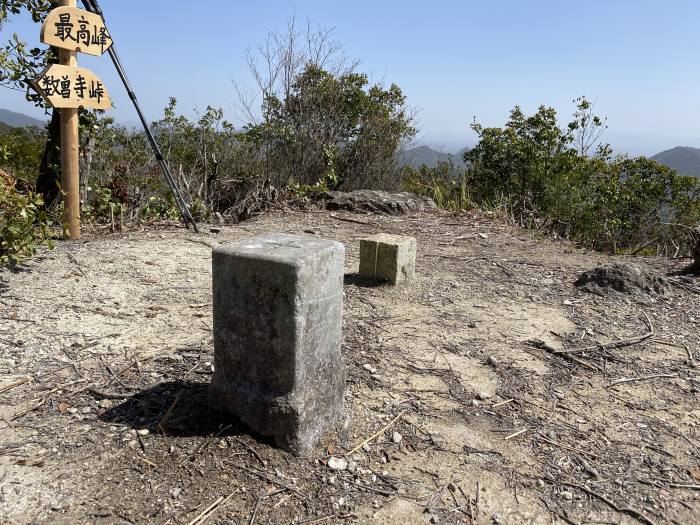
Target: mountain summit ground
[492, 389]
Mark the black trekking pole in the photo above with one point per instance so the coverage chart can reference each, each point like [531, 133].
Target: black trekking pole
[93, 7]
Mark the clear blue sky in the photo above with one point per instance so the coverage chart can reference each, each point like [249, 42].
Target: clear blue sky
[639, 59]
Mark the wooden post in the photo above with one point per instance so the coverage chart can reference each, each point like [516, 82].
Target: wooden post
[70, 161]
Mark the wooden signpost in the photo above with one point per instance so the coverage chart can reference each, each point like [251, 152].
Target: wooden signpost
[72, 87]
[76, 30]
[67, 87]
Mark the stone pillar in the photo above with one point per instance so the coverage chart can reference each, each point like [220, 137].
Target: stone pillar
[386, 257]
[278, 303]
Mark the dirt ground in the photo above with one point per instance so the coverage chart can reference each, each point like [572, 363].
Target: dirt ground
[480, 416]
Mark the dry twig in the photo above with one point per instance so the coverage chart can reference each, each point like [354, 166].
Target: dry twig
[622, 510]
[202, 516]
[621, 343]
[377, 434]
[10, 386]
[643, 378]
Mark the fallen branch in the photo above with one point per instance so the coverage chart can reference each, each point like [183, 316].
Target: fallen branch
[347, 219]
[377, 434]
[566, 447]
[615, 344]
[106, 395]
[622, 510]
[211, 509]
[10, 386]
[556, 513]
[683, 486]
[502, 403]
[537, 343]
[643, 378]
[272, 480]
[516, 434]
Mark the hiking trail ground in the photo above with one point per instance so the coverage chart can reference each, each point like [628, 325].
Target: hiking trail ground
[106, 354]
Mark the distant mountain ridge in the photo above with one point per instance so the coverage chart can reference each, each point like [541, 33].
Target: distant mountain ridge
[684, 159]
[416, 157]
[19, 120]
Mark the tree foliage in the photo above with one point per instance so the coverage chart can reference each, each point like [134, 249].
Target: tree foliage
[20, 63]
[337, 129]
[23, 222]
[566, 181]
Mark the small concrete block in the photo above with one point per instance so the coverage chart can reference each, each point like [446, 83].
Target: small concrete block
[278, 303]
[391, 258]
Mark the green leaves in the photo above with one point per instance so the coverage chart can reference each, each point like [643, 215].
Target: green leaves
[566, 181]
[23, 223]
[19, 64]
[362, 124]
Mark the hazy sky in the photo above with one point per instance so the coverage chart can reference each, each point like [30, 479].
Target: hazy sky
[455, 60]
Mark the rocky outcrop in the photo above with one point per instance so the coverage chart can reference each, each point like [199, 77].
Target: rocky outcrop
[379, 202]
[623, 279]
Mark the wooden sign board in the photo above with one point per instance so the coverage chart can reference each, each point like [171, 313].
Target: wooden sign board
[72, 87]
[76, 30]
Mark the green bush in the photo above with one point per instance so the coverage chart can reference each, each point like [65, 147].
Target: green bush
[335, 129]
[449, 191]
[23, 222]
[566, 182]
[20, 152]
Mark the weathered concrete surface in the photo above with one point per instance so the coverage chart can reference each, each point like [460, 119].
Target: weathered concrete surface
[391, 258]
[278, 302]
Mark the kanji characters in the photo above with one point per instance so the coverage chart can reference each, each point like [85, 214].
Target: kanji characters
[65, 87]
[84, 34]
[50, 85]
[80, 86]
[101, 37]
[97, 90]
[64, 28]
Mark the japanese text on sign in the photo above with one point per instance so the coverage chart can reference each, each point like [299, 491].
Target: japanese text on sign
[76, 30]
[70, 87]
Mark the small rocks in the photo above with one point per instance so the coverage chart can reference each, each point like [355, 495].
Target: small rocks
[397, 438]
[567, 495]
[483, 396]
[492, 361]
[372, 370]
[335, 463]
[143, 432]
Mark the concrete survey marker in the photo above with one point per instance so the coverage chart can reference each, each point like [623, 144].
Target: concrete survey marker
[387, 257]
[278, 303]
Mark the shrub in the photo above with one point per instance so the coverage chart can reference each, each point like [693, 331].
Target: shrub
[23, 222]
[442, 184]
[546, 178]
[336, 129]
